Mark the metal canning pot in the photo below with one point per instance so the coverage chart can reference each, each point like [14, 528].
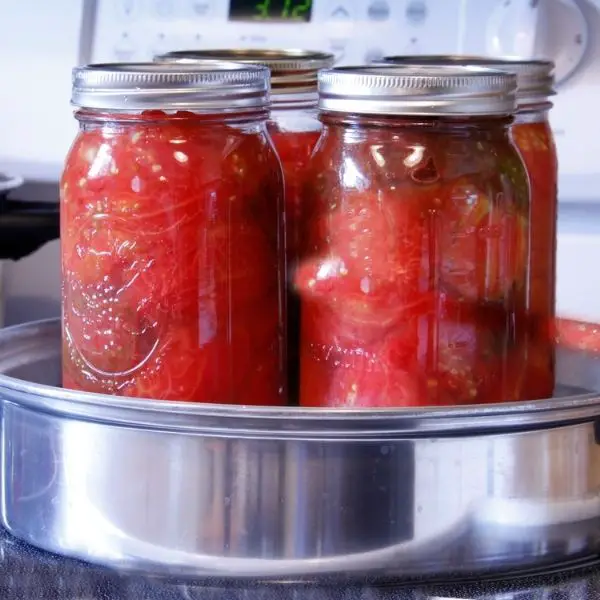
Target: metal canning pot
[282, 494]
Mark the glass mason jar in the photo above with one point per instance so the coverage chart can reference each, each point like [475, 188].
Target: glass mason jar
[171, 232]
[533, 137]
[294, 129]
[414, 288]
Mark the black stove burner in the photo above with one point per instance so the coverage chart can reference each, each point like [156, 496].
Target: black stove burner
[30, 574]
[25, 225]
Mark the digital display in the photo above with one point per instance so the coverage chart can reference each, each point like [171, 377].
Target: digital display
[270, 10]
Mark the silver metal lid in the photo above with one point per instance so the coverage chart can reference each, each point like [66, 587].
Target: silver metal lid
[131, 87]
[292, 71]
[417, 90]
[535, 78]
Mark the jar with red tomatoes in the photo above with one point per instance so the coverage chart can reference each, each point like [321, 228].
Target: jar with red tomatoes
[533, 137]
[294, 129]
[172, 236]
[414, 285]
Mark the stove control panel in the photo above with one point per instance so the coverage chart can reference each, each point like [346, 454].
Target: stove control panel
[356, 31]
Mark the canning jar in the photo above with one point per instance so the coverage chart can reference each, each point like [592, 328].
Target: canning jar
[533, 137]
[172, 236]
[414, 287]
[294, 129]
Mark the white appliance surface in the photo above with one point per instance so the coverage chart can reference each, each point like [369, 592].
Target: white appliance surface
[44, 40]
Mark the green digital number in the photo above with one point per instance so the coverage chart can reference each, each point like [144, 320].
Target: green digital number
[263, 9]
[292, 9]
[302, 8]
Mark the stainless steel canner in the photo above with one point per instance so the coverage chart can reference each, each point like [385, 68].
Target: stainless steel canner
[292, 493]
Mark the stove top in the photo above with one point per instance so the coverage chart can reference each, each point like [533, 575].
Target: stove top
[30, 574]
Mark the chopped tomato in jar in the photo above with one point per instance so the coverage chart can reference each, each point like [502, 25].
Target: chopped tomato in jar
[172, 260]
[294, 149]
[294, 130]
[534, 140]
[532, 135]
[411, 292]
[413, 280]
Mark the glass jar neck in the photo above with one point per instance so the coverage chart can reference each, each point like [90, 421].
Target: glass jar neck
[467, 126]
[87, 116]
[533, 113]
[291, 100]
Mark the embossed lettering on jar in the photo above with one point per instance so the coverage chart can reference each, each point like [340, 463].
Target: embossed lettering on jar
[414, 290]
[533, 137]
[171, 230]
[294, 129]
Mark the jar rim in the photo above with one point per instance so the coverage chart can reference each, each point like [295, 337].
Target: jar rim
[535, 77]
[292, 70]
[131, 87]
[429, 90]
